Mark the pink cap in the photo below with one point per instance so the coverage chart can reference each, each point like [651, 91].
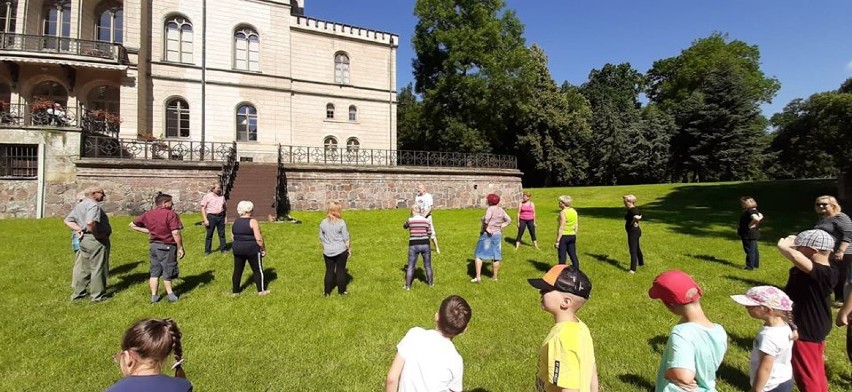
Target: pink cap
[768, 296]
[675, 288]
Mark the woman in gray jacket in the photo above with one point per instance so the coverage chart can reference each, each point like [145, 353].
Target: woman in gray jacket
[335, 249]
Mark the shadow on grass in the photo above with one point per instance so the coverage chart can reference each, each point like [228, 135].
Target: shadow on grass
[712, 259]
[189, 283]
[511, 240]
[636, 382]
[124, 268]
[734, 376]
[742, 342]
[658, 343]
[477, 390]
[752, 282]
[608, 260]
[540, 265]
[419, 274]
[126, 281]
[471, 269]
[701, 210]
[269, 275]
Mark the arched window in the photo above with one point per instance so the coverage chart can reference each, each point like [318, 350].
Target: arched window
[178, 40]
[329, 110]
[246, 123]
[330, 143]
[104, 98]
[246, 49]
[177, 118]
[353, 113]
[8, 15]
[57, 24]
[341, 68]
[110, 25]
[352, 144]
[50, 90]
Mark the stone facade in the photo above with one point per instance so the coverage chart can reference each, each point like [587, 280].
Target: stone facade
[313, 187]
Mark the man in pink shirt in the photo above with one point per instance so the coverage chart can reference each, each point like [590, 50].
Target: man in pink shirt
[213, 210]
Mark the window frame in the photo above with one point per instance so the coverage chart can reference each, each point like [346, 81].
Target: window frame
[342, 68]
[9, 21]
[185, 38]
[116, 10]
[353, 145]
[180, 112]
[248, 33]
[9, 163]
[248, 117]
[329, 111]
[353, 113]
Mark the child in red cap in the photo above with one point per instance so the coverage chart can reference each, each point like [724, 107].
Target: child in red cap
[696, 345]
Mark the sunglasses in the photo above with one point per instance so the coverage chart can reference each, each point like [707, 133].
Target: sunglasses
[823, 205]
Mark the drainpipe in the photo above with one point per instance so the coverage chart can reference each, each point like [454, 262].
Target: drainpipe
[391, 145]
[42, 150]
[203, 71]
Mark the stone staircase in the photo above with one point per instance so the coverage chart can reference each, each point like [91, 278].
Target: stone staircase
[255, 182]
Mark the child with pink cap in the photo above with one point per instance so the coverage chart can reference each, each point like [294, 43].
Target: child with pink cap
[770, 369]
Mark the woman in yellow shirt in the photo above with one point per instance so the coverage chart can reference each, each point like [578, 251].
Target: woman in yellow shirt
[566, 233]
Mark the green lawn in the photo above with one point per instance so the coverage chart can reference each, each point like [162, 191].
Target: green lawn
[295, 339]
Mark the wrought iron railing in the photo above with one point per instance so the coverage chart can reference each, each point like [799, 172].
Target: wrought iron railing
[229, 171]
[176, 150]
[62, 45]
[99, 122]
[14, 115]
[374, 157]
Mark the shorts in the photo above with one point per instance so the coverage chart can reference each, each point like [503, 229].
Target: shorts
[163, 260]
[489, 247]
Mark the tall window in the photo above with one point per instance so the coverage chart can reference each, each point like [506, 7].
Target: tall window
[109, 27]
[353, 113]
[8, 15]
[329, 110]
[178, 40]
[104, 98]
[341, 68]
[330, 143]
[51, 90]
[177, 118]
[352, 144]
[246, 49]
[57, 24]
[246, 124]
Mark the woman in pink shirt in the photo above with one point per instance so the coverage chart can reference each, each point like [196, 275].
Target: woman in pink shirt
[526, 219]
[490, 237]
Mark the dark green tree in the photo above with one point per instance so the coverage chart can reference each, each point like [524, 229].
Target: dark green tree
[647, 157]
[613, 93]
[409, 112]
[552, 128]
[469, 53]
[713, 90]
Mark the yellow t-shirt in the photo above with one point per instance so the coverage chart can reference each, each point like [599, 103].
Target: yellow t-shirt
[570, 215]
[566, 358]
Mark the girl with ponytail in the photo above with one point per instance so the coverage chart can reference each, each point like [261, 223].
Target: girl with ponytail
[145, 349]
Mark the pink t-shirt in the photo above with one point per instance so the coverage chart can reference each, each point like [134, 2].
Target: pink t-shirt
[527, 211]
[213, 203]
[494, 219]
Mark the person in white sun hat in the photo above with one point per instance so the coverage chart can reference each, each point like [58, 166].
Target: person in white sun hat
[770, 369]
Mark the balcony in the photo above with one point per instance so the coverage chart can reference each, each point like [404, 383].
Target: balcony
[39, 115]
[48, 46]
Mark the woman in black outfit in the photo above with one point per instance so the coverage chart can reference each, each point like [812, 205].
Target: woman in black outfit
[248, 247]
[631, 225]
[749, 231]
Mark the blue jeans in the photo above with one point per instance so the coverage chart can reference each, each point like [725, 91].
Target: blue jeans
[752, 255]
[216, 222]
[413, 252]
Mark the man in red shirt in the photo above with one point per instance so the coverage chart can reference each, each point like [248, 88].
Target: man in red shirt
[163, 226]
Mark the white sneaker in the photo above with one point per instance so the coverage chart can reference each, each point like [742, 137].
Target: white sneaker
[474, 280]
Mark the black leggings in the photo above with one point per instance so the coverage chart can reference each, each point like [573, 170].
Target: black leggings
[568, 246]
[636, 256]
[522, 225]
[842, 271]
[335, 267]
[255, 261]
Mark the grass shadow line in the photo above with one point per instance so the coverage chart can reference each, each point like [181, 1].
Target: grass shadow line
[540, 265]
[635, 380]
[124, 268]
[471, 269]
[713, 259]
[189, 283]
[658, 343]
[751, 282]
[734, 376]
[419, 273]
[608, 260]
[269, 275]
[742, 342]
[126, 281]
[477, 389]
[511, 240]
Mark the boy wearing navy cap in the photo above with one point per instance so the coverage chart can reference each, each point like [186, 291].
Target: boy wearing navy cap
[566, 359]
[696, 345]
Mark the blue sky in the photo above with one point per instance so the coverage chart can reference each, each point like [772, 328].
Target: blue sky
[806, 44]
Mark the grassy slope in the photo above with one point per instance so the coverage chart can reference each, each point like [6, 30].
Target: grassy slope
[296, 339]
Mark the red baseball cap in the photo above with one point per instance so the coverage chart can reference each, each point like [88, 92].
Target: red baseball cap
[675, 288]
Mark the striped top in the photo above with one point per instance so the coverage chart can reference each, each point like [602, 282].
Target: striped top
[419, 230]
[840, 227]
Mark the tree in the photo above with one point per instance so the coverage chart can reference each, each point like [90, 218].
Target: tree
[713, 90]
[408, 120]
[647, 157]
[552, 128]
[468, 56]
[613, 93]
